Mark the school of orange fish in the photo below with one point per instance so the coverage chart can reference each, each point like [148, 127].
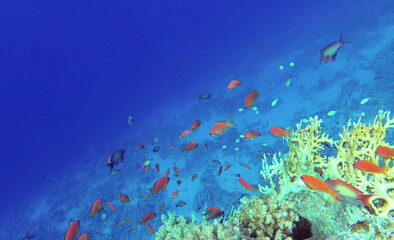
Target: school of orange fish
[336, 188]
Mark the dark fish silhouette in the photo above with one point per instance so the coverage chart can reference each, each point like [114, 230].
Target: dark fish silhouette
[28, 236]
[116, 157]
[204, 96]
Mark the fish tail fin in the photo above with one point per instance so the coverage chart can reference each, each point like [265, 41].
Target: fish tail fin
[231, 123]
[384, 171]
[151, 190]
[335, 196]
[288, 132]
[365, 199]
[341, 40]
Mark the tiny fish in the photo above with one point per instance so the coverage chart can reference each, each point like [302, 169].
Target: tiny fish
[274, 102]
[161, 207]
[288, 81]
[194, 176]
[217, 162]
[132, 229]
[251, 98]
[329, 53]
[204, 96]
[233, 84]
[147, 217]
[220, 170]
[227, 167]
[180, 204]
[156, 149]
[245, 165]
[179, 182]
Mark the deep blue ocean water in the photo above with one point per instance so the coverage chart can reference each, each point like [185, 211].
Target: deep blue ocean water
[71, 73]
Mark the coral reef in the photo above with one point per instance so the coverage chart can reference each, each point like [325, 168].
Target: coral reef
[357, 142]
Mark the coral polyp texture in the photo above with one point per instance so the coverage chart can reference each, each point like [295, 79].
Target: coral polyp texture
[358, 141]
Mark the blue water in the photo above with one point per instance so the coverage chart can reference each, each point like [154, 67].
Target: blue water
[72, 72]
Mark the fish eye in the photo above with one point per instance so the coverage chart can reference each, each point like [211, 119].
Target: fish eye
[302, 177]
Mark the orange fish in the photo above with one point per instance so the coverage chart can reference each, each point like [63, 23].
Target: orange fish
[227, 167]
[132, 229]
[84, 236]
[150, 228]
[191, 146]
[96, 207]
[233, 84]
[195, 125]
[147, 217]
[211, 210]
[141, 146]
[279, 132]
[174, 195]
[194, 176]
[176, 171]
[215, 214]
[160, 185]
[245, 165]
[185, 134]
[157, 167]
[109, 205]
[220, 170]
[245, 184]
[385, 152]
[123, 222]
[251, 134]
[220, 127]
[144, 196]
[329, 53]
[317, 184]
[72, 231]
[251, 98]
[171, 147]
[206, 146]
[370, 167]
[124, 198]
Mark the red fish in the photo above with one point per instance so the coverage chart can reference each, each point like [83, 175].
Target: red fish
[245, 165]
[150, 228]
[185, 134]
[132, 229]
[157, 167]
[220, 127]
[72, 231]
[144, 196]
[385, 152]
[349, 192]
[166, 173]
[317, 184]
[216, 214]
[171, 147]
[161, 207]
[191, 146]
[160, 185]
[96, 207]
[251, 134]
[245, 184]
[174, 195]
[176, 171]
[124, 198]
[141, 146]
[180, 204]
[84, 236]
[227, 167]
[123, 222]
[211, 210]
[251, 98]
[109, 205]
[329, 53]
[147, 217]
[279, 132]
[220, 170]
[233, 84]
[194, 176]
[195, 125]
[370, 167]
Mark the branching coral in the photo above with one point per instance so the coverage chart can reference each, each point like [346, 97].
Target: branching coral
[265, 218]
[177, 227]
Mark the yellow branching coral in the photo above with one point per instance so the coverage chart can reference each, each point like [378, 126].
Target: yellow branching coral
[177, 227]
[265, 218]
[304, 157]
[358, 142]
